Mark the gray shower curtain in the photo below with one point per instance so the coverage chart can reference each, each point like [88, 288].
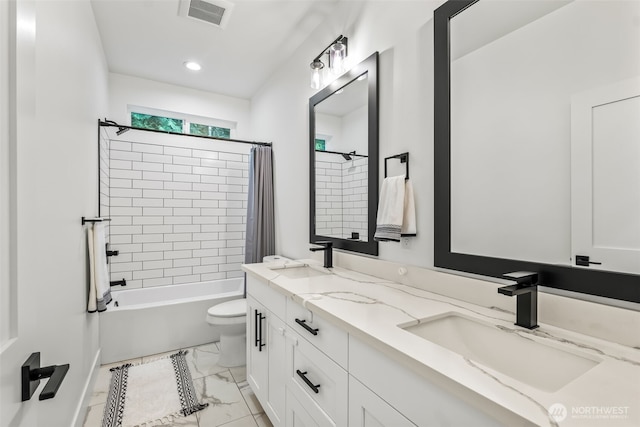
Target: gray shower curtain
[260, 239]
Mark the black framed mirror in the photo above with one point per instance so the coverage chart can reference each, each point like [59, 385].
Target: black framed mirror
[343, 160]
[449, 252]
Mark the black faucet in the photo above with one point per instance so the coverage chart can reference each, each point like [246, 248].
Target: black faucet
[328, 253]
[526, 292]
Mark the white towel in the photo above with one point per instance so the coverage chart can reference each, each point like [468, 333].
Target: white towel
[390, 209]
[99, 284]
[409, 214]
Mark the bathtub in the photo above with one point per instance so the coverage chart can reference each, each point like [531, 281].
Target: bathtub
[141, 322]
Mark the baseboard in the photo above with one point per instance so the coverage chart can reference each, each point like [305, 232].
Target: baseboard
[83, 404]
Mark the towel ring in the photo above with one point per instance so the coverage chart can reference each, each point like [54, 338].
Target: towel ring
[404, 158]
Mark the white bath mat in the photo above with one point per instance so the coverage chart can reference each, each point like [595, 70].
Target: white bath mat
[151, 393]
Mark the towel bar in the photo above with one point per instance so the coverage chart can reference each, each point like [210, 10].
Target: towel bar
[404, 158]
[85, 220]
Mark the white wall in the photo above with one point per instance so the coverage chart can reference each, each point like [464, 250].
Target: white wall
[56, 170]
[5, 178]
[355, 130]
[328, 125]
[403, 34]
[126, 90]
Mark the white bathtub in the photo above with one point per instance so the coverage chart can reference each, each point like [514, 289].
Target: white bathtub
[141, 322]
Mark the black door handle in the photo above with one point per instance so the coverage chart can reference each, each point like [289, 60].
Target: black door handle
[261, 343]
[32, 373]
[312, 331]
[255, 321]
[312, 386]
[584, 261]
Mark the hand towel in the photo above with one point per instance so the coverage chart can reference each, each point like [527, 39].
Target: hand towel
[99, 285]
[390, 209]
[409, 214]
[92, 304]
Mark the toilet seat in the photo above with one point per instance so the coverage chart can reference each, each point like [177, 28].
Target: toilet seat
[228, 313]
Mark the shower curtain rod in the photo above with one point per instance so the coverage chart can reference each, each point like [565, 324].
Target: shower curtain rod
[338, 152]
[110, 123]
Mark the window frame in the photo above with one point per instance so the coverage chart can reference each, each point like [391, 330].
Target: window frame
[187, 119]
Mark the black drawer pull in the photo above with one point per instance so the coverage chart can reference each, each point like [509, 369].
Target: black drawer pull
[261, 318]
[307, 327]
[257, 326]
[257, 319]
[306, 380]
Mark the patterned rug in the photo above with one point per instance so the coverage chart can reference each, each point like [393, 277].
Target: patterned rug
[151, 393]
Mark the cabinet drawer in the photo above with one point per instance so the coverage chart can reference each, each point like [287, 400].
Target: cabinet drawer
[423, 402]
[316, 381]
[330, 339]
[366, 409]
[298, 416]
[271, 299]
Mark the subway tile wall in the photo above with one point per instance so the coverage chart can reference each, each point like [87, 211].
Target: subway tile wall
[104, 176]
[341, 196]
[354, 197]
[329, 195]
[178, 213]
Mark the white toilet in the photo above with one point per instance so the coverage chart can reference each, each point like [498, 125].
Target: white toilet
[231, 318]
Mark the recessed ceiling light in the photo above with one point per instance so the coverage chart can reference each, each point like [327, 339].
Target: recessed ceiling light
[193, 66]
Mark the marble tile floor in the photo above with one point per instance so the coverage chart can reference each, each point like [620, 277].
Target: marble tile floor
[231, 400]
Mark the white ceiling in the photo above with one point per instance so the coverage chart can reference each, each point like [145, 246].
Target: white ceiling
[148, 39]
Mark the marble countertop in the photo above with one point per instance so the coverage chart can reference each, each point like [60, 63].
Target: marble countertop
[370, 309]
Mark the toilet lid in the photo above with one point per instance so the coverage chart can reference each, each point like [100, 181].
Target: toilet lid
[235, 308]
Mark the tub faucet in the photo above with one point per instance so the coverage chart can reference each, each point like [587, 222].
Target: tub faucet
[327, 247]
[526, 292]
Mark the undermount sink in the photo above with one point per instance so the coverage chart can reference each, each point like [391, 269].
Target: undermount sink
[298, 271]
[541, 366]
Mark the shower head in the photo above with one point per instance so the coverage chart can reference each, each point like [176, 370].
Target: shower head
[347, 156]
[120, 131]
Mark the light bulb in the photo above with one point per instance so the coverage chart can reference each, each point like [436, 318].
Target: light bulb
[193, 66]
[316, 76]
[338, 54]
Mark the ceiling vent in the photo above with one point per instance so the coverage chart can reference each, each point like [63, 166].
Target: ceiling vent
[216, 12]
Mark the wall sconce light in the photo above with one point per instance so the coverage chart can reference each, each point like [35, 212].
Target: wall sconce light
[337, 54]
[316, 74]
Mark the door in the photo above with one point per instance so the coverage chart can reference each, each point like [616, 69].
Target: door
[605, 176]
[296, 414]
[366, 409]
[17, 316]
[257, 357]
[277, 347]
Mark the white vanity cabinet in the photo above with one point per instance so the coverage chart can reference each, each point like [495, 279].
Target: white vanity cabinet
[266, 348]
[422, 402]
[323, 335]
[297, 415]
[367, 409]
[318, 383]
[317, 358]
[306, 371]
